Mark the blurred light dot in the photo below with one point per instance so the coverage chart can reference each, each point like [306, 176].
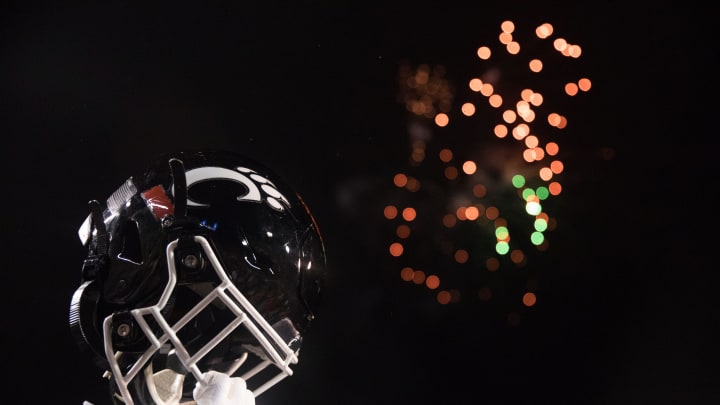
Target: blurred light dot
[556, 166]
[409, 214]
[509, 116]
[442, 119]
[545, 173]
[492, 264]
[505, 38]
[518, 180]
[396, 249]
[529, 299]
[536, 65]
[517, 256]
[552, 148]
[523, 108]
[539, 153]
[418, 277]
[560, 44]
[540, 225]
[528, 193]
[555, 188]
[500, 131]
[400, 180]
[563, 122]
[571, 89]
[584, 84]
[469, 167]
[554, 119]
[484, 52]
[390, 212]
[533, 207]
[432, 282]
[443, 297]
[449, 220]
[472, 213]
[513, 48]
[507, 26]
[413, 184]
[446, 155]
[487, 89]
[407, 273]
[402, 231]
[536, 99]
[479, 190]
[492, 213]
[475, 84]
[525, 94]
[451, 173]
[529, 116]
[521, 131]
[575, 51]
[544, 30]
[468, 109]
[542, 192]
[461, 256]
[460, 213]
[502, 233]
[531, 141]
[495, 100]
[537, 238]
[529, 155]
[418, 155]
[502, 247]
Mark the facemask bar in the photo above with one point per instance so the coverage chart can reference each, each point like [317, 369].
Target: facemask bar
[281, 356]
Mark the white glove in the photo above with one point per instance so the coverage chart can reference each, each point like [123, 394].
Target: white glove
[221, 389]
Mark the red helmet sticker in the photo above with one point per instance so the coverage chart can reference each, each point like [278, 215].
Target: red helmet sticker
[158, 202]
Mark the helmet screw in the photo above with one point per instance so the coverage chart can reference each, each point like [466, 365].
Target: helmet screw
[123, 330]
[190, 261]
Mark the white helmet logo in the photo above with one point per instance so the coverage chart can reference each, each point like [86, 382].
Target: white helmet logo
[256, 184]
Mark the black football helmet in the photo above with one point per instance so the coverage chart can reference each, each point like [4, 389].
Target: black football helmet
[206, 261]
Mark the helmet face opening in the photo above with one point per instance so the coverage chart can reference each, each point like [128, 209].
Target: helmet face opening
[219, 269]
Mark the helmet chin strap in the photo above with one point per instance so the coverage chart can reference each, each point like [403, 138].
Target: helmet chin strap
[165, 386]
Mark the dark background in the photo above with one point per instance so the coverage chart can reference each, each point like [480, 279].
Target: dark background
[91, 92]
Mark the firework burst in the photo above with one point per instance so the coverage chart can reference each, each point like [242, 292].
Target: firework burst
[474, 205]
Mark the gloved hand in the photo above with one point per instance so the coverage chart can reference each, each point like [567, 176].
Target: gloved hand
[221, 389]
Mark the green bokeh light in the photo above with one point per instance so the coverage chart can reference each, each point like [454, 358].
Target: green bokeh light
[540, 224]
[518, 180]
[527, 193]
[537, 238]
[502, 247]
[542, 192]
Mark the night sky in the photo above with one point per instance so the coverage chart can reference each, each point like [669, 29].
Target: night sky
[626, 282]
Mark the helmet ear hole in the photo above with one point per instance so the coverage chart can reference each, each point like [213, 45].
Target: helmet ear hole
[131, 248]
